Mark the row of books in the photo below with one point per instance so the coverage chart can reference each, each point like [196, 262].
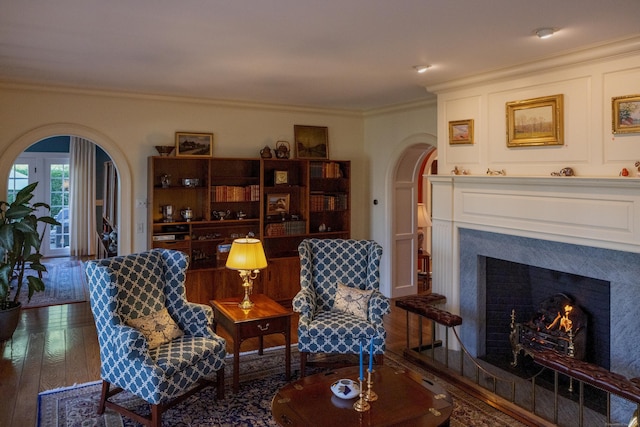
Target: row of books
[325, 170]
[233, 193]
[325, 202]
[285, 228]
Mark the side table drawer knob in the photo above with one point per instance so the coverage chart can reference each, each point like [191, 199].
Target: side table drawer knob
[263, 328]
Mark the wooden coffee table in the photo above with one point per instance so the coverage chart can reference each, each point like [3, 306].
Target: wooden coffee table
[265, 318]
[404, 398]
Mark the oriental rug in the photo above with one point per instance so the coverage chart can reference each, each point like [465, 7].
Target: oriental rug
[260, 378]
[64, 283]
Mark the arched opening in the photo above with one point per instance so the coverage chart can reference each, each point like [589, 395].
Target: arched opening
[406, 178]
[124, 190]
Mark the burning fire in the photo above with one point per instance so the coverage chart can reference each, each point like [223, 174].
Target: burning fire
[562, 322]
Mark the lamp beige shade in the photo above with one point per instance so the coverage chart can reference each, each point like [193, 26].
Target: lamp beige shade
[423, 216]
[246, 254]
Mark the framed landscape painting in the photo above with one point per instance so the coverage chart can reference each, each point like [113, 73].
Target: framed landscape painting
[626, 114]
[311, 142]
[537, 121]
[278, 203]
[189, 144]
[461, 132]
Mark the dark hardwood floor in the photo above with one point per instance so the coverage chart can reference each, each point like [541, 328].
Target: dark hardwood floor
[57, 346]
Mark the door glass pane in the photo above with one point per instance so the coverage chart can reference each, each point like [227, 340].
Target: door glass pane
[59, 191]
[18, 179]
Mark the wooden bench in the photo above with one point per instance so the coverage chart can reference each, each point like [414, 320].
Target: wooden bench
[425, 307]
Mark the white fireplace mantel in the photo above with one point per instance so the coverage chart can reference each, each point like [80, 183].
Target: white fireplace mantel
[599, 212]
[593, 212]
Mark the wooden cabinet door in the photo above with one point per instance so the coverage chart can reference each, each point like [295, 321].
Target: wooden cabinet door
[282, 279]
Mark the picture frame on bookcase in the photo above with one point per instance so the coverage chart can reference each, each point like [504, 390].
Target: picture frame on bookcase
[193, 144]
[278, 203]
[311, 142]
[280, 177]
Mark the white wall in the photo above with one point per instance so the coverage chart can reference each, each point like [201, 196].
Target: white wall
[129, 126]
[590, 148]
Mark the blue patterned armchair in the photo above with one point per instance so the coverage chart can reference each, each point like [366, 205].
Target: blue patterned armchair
[129, 289]
[332, 274]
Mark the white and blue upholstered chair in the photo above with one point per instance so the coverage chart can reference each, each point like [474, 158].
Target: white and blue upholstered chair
[339, 301]
[168, 351]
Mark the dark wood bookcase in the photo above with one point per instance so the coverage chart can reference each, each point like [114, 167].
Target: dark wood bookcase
[279, 201]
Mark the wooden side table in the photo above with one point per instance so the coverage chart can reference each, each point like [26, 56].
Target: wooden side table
[265, 318]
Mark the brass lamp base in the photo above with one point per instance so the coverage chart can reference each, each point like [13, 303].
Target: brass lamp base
[246, 303]
[247, 284]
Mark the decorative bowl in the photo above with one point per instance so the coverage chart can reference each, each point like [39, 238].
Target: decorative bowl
[190, 182]
[345, 388]
[164, 150]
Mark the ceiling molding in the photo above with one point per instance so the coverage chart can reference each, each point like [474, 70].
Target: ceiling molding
[598, 52]
[9, 85]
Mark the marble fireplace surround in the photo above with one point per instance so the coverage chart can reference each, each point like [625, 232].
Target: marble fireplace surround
[584, 226]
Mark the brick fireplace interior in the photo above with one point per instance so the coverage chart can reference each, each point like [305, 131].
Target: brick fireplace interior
[521, 287]
[524, 288]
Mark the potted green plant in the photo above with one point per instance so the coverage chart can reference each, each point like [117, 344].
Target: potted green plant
[19, 251]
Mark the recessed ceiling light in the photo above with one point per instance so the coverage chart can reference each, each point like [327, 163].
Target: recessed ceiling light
[421, 68]
[545, 33]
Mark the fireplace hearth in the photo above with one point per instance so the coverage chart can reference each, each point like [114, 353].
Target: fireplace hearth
[619, 327]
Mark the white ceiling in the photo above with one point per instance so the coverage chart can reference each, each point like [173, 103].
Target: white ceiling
[352, 54]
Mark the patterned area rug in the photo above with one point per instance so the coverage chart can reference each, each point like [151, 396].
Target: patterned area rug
[260, 378]
[63, 282]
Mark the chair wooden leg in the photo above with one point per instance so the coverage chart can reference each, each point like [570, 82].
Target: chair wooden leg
[156, 416]
[103, 397]
[303, 363]
[220, 383]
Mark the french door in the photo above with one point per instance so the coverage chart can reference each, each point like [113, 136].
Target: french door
[51, 171]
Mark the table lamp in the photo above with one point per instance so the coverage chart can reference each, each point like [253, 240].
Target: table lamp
[247, 256]
[423, 222]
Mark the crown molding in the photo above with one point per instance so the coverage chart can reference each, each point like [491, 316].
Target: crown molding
[26, 86]
[592, 53]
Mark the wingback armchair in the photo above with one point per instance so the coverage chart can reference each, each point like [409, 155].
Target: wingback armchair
[339, 301]
[159, 359]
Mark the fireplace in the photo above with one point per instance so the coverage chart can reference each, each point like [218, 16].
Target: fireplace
[616, 271]
[528, 291]
[585, 226]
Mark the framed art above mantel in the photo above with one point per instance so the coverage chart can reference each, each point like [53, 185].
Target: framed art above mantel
[537, 121]
[625, 114]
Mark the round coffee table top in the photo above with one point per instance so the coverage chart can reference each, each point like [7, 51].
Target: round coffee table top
[404, 398]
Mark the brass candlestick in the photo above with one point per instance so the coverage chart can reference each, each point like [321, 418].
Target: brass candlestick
[361, 405]
[370, 395]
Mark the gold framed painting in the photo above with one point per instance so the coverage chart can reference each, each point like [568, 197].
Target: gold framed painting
[461, 132]
[278, 203]
[537, 121]
[311, 142]
[625, 112]
[191, 144]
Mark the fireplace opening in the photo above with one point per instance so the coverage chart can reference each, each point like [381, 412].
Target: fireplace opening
[525, 289]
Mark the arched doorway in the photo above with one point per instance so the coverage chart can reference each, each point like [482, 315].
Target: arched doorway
[403, 216]
[125, 243]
